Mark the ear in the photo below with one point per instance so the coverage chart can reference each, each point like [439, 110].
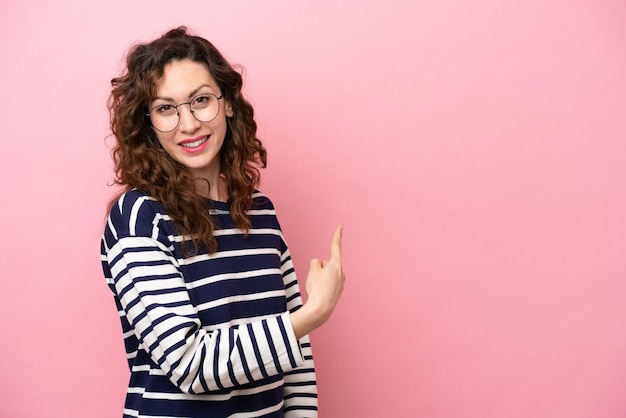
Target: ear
[228, 109]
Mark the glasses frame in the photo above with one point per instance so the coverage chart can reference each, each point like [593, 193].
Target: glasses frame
[219, 107]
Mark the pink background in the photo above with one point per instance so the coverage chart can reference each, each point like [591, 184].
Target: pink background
[475, 151]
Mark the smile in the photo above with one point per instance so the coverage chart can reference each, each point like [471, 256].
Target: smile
[194, 143]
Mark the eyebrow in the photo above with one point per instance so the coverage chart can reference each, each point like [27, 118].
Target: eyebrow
[193, 93]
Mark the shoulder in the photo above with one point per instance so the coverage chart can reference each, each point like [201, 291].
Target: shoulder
[260, 201]
[262, 214]
[135, 213]
[132, 203]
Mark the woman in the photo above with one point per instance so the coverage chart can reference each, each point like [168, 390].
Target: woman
[213, 321]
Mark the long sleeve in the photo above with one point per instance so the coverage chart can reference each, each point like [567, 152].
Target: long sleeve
[151, 290]
[300, 383]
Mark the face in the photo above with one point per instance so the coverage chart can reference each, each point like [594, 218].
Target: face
[193, 143]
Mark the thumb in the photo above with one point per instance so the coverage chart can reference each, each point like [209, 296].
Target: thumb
[315, 264]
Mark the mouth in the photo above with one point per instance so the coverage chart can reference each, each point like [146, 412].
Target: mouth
[195, 142]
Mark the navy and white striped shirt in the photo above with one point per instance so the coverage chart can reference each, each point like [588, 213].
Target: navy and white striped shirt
[208, 335]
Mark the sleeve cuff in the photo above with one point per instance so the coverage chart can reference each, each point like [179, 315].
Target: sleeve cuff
[294, 350]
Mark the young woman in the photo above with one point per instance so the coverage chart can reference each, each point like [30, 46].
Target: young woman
[212, 316]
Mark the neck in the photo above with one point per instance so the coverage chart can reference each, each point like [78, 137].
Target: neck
[214, 188]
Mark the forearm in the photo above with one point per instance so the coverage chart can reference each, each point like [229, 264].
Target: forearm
[306, 319]
[156, 304]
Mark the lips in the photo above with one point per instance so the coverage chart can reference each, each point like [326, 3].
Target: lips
[194, 142]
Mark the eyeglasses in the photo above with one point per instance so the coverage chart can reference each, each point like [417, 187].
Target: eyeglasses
[166, 117]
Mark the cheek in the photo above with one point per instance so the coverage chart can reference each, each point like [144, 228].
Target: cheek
[219, 125]
[165, 141]
[163, 138]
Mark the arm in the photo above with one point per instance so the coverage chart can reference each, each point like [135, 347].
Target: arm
[324, 286]
[146, 279]
[300, 383]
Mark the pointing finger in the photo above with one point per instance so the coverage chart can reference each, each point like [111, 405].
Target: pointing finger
[335, 247]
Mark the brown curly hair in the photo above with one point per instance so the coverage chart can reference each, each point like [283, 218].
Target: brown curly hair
[141, 162]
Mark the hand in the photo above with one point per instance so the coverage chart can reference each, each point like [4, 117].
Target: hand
[324, 282]
[324, 285]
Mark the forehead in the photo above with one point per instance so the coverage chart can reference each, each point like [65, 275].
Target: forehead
[182, 77]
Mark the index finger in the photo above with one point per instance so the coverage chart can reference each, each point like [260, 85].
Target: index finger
[335, 246]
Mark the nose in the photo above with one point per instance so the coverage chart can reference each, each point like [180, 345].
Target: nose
[188, 122]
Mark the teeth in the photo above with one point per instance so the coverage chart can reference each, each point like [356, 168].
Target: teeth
[194, 143]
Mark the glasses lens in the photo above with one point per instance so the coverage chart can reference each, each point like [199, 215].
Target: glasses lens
[164, 118]
[205, 107]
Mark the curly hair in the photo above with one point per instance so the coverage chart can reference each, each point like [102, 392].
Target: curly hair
[142, 163]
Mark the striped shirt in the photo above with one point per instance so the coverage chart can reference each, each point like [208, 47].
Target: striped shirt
[208, 335]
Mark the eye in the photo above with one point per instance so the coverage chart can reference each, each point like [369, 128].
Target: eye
[202, 101]
[164, 109]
